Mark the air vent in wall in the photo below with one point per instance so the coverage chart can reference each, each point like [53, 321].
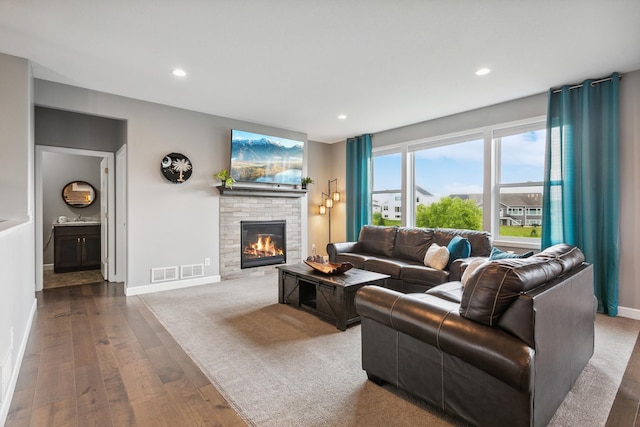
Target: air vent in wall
[193, 270]
[163, 274]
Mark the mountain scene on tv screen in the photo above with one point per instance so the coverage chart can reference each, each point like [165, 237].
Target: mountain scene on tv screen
[266, 160]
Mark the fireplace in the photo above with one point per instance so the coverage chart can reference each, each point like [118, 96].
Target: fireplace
[262, 243]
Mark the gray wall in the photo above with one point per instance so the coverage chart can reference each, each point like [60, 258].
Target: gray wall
[15, 129]
[167, 224]
[511, 111]
[326, 164]
[58, 170]
[629, 290]
[68, 129]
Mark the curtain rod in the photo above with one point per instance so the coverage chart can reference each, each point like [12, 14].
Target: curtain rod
[606, 79]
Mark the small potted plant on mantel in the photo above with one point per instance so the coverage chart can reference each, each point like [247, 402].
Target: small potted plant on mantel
[306, 181]
[225, 178]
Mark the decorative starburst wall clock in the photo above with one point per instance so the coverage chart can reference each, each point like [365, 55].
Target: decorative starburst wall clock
[176, 167]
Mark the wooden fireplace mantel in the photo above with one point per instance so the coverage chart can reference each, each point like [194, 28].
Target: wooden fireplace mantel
[271, 191]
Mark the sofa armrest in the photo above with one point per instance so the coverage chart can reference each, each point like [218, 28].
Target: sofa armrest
[334, 249]
[437, 322]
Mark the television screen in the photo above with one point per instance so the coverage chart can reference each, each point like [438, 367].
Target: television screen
[263, 158]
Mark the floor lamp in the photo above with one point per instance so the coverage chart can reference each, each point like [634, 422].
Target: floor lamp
[327, 201]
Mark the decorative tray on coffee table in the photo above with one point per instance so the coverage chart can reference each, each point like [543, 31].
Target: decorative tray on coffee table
[318, 264]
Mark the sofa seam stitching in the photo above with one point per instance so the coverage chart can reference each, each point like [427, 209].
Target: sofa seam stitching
[391, 310]
[495, 299]
[442, 356]
[473, 292]
[440, 328]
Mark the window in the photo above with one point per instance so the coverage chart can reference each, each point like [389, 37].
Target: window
[448, 178]
[519, 178]
[387, 184]
[489, 179]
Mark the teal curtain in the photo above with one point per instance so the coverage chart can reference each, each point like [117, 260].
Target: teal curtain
[358, 185]
[582, 180]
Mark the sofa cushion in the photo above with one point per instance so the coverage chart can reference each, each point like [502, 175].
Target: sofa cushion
[496, 284]
[473, 266]
[450, 291]
[436, 257]
[412, 243]
[377, 240]
[425, 276]
[481, 241]
[459, 247]
[498, 254]
[390, 266]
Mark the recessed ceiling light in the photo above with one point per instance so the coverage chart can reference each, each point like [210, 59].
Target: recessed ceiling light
[482, 71]
[342, 117]
[179, 72]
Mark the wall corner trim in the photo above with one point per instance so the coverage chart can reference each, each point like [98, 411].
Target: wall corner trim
[631, 313]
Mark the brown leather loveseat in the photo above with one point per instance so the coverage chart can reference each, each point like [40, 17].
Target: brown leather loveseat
[400, 253]
[502, 350]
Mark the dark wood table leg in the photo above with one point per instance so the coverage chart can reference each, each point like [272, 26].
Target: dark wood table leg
[341, 304]
[280, 287]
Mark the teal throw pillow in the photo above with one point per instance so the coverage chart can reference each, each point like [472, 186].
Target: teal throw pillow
[459, 247]
[498, 254]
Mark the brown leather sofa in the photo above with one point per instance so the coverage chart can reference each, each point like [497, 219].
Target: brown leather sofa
[503, 350]
[400, 251]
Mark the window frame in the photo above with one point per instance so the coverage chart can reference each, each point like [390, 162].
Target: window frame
[386, 151]
[491, 137]
[497, 133]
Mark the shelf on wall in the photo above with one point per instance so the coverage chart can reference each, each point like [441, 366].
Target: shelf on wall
[261, 191]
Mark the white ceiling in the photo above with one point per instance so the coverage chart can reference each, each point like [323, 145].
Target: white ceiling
[298, 64]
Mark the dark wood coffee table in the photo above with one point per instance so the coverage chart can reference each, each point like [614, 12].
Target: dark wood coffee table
[330, 297]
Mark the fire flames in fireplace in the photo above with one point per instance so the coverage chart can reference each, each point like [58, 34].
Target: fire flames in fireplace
[262, 247]
[262, 243]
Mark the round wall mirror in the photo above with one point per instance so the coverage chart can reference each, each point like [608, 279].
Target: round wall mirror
[79, 194]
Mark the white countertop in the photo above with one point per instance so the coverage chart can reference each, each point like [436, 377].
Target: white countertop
[75, 223]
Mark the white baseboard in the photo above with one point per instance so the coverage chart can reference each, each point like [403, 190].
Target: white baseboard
[6, 403]
[631, 313]
[167, 286]
[47, 267]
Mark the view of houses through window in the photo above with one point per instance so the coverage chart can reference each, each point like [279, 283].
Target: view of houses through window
[491, 180]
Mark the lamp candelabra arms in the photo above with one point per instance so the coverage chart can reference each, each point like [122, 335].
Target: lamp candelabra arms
[328, 199]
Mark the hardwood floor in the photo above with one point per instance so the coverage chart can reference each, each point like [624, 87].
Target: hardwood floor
[96, 357]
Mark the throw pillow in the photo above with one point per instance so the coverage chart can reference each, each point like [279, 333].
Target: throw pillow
[459, 247]
[473, 266]
[498, 254]
[437, 256]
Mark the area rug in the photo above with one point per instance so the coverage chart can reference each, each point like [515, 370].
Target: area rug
[51, 280]
[280, 366]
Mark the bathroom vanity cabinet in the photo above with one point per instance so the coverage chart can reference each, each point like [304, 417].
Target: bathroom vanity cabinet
[76, 247]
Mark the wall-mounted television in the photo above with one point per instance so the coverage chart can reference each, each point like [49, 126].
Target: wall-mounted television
[265, 159]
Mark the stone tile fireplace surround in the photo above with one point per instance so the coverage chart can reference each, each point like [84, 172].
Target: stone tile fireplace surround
[234, 209]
